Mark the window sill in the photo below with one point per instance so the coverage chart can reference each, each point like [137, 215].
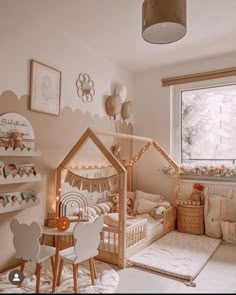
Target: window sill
[208, 173]
[208, 178]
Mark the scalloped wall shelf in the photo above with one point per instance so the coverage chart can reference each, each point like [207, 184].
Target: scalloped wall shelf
[17, 206]
[20, 153]
[18, 179]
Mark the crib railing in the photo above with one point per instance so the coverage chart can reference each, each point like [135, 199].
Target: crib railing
[136, 237]
[136, 232]
[169, 218]
[109, 239]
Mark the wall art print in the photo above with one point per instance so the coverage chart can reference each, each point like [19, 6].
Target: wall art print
[45, 89]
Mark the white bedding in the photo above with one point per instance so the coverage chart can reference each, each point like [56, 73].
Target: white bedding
[153, 226]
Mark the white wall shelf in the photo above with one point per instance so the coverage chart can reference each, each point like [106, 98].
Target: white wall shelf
[19, 206]
[19, 179]
[19, 153]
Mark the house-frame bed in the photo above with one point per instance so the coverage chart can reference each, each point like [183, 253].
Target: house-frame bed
[119, 243]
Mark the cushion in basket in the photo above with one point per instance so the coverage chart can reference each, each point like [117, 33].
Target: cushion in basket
[146, 196]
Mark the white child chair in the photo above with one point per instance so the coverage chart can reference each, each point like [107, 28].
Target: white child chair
[87, 240]
[28, 248]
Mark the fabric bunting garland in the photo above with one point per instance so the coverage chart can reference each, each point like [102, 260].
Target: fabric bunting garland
[69, 178]
[110, 183]
[114, 183]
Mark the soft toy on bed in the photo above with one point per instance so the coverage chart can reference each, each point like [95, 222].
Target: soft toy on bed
[157, 213]
[115, 200]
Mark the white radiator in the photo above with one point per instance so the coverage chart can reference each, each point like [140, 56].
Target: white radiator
[186, 187]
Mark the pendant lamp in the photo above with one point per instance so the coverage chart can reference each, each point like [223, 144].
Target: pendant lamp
[163, 21]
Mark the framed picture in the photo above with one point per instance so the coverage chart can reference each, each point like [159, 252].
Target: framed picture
[45, 89]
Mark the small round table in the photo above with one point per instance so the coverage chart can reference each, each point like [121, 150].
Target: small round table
[57, 234]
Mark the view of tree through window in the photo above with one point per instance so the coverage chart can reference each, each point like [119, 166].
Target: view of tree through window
[208, 120]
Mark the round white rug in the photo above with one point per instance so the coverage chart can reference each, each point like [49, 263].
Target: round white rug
[106, 282]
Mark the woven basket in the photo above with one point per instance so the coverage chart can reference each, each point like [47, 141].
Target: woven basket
[190, 219]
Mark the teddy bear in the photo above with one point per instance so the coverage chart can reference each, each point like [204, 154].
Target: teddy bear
[130, 205]
[115, 200]
[16, 138]
[197, 194]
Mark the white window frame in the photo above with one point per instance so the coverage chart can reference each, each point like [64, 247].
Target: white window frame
[175, 109]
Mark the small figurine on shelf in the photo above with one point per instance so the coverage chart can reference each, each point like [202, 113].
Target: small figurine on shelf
[3, 200]
[197, 194]
[2, 174]
[29, 195]
[27, 169]
[13, 170]
[5, 143]
[17, 139]
[14, 199]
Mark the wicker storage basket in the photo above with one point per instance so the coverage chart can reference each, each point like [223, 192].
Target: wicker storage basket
[190, 219]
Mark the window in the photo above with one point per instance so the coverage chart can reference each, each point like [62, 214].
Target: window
[204, 123]
[208, 125]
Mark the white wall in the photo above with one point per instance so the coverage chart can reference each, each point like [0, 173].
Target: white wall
[42, 30]
[152, 111]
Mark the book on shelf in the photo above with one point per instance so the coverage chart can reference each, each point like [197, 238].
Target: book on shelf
[17, 169]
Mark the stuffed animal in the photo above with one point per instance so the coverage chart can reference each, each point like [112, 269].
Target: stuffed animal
[164, 204]
[197, 194]
[115, 200]
[17, 139]
[157, 213]
[130, 205]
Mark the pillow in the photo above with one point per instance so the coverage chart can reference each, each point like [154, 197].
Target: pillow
[131, 195]
[165, 204]
[104, 208]
[112, 220]
[229, 231]
[145, 206]
[97, 209]
[92, 212]
[212, 212]
[110, 204]
[146, 196]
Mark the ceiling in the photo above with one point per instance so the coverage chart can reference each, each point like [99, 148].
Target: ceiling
[113, 29]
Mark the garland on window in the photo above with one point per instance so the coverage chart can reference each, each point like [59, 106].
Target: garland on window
[203, 170]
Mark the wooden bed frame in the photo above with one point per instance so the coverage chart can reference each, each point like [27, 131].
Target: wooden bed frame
[136, 238]
[118, 244]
